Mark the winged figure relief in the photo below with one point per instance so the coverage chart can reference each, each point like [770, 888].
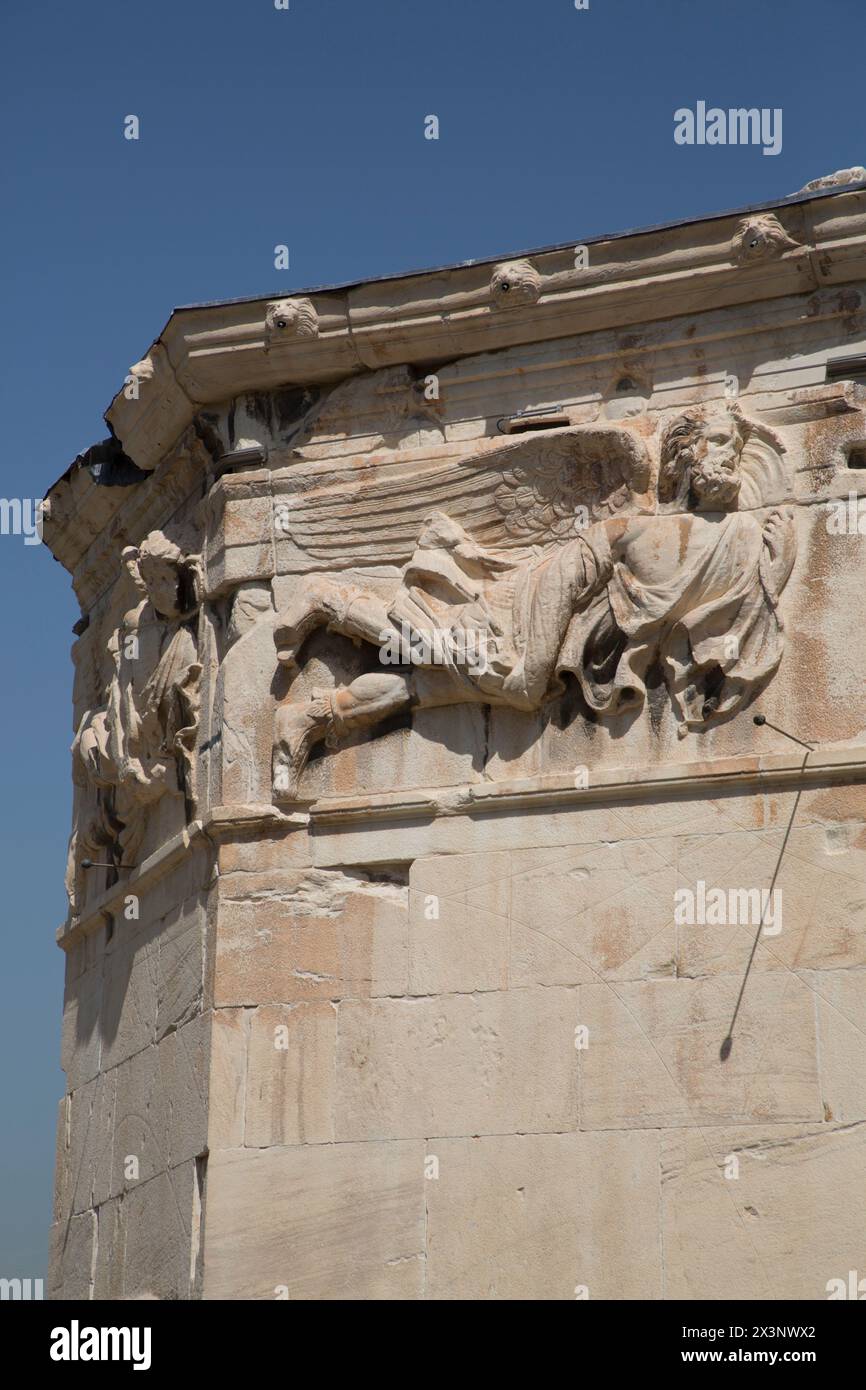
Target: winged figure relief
[535, 490]
[571, 552]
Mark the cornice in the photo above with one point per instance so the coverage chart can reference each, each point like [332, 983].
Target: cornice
[395, 811]
[219, 823]
[605, 786]
[211, 353]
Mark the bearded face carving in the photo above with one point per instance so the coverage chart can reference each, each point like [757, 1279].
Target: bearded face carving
[701, 462]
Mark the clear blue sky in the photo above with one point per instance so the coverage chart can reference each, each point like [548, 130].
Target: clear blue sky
[305, 127]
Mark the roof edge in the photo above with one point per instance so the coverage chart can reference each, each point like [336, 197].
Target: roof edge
[210, 353]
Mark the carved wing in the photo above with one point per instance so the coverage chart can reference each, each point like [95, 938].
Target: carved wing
[530, 491]
[549, 494]
[765, 475]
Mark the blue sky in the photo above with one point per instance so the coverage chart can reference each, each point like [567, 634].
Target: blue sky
[305, 127]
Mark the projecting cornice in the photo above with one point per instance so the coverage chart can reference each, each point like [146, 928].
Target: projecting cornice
[210, 353]
[788, 252]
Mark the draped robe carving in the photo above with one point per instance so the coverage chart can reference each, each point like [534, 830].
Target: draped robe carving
[139, 744]
[686, 577]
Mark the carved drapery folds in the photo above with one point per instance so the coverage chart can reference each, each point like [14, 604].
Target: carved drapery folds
[596, 554]
[555, 557]
[138, 745]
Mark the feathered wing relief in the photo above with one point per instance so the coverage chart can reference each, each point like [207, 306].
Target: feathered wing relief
[536, 491]
[551, 492]
[555, 556]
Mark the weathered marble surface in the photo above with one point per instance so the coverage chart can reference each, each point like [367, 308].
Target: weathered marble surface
[417, 1007]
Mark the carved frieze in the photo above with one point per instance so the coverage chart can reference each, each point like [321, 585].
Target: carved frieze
[138, 744]
[610, 582]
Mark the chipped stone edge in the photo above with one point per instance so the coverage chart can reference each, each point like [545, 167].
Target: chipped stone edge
[216, 823]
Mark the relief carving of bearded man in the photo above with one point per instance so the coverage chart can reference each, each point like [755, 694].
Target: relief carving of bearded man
[692, 586]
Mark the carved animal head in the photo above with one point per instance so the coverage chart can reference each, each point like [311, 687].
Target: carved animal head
[513, 283]
[287, 319]
[760, 237]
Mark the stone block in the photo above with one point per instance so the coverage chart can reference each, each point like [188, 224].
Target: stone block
[73, 1251]
[180, 973]
[601, 911]
[183, 1062]
[321, 1222]
[537, 1216]
[789, 1217]
[816, 918]
[143, 1111]
[654, 1053]
[174, 893]
[290, 1075]
[159, 1236]
[110, 1249]
[459, 1064]
[228, 1074]
[458, 924]
[81, 1040]
[308, 935]
[840, 1002]
[63, 1185]
[91, 1141]
[251, 852]
[130, 993]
